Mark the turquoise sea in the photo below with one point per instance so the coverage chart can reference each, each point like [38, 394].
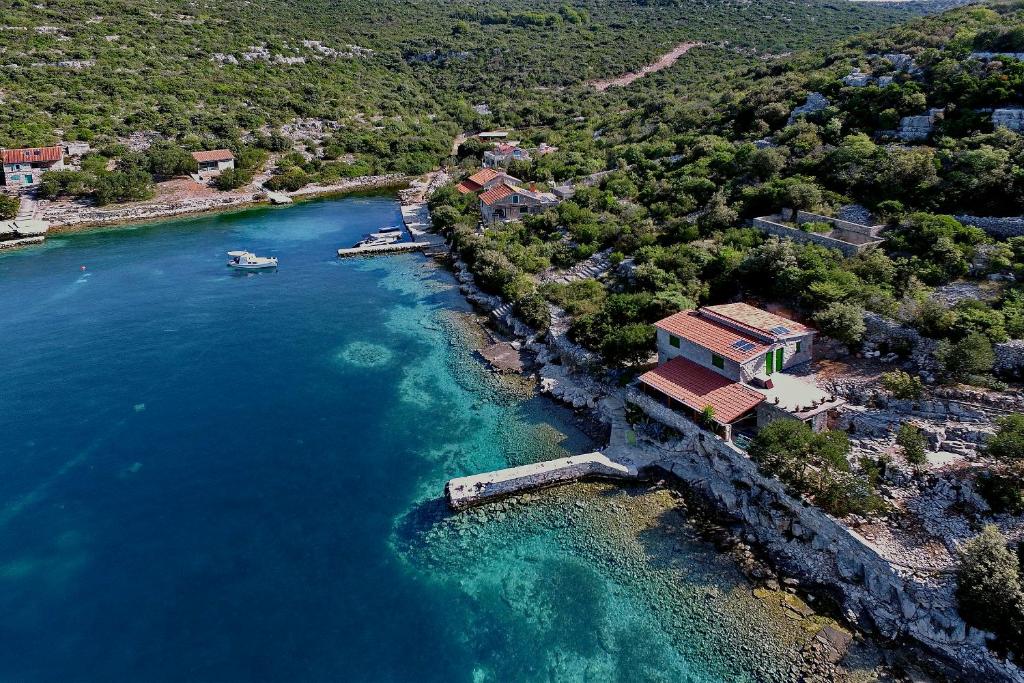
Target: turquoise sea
[211, 476]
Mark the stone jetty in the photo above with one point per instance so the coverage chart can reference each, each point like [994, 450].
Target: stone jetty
[463, 492]
[392, 248]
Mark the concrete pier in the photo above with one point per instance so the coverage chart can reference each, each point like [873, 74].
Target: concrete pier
[383, 249]
[463, 492]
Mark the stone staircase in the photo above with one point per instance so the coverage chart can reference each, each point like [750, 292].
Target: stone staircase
[593, 267]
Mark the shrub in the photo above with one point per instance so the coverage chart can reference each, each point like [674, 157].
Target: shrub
[232, 179]
[816, 226]
[989, 589]
[912, 442]
[9, 207]
[814, 464]
[1003, 488]
[1008, 442]
[631, 343]
[902, 385]
[842, 321]
[292, 179]
[972, 355]
[166, 159]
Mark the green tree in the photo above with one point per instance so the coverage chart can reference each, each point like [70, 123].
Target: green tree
[989, 587]
[972, 355]
[232, 179]
[842, 321]
[902, 384]
[166, 159]
[9, 206]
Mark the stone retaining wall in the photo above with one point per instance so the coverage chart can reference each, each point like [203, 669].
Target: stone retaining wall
[996, 226]
[797, 235]
[877, 594]
[1010, 358]
[866, 230]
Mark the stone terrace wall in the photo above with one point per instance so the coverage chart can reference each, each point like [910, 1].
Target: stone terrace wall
[995, 225]
[797, 235]
[866, 230]
[1010, 358]
[805, 542]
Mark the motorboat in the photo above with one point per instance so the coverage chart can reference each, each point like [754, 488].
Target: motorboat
[245, 260]
[390, 231]
[376, 241]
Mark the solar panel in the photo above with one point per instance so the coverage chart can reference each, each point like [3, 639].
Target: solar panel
[742, 345]
[780, 330]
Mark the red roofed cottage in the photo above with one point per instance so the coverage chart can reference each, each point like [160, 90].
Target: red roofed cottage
[727, 364]
[27, 165]
[214, 161]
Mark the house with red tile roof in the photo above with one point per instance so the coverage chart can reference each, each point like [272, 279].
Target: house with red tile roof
[508, 202]
[25, 166]
[214, 161]
[730, 362]
[485, 179]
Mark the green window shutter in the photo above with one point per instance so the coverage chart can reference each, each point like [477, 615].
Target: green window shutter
[769, 363]
[798, 347]
[717, 361]
[779, 358]
[673, 341]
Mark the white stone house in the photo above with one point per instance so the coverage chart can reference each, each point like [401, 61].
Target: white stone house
[731, 360]
[214, 162]
[503, 154]
[25, 166]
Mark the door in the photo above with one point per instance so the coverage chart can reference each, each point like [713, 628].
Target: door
[28, 179]
[769, 365]
[778, 359]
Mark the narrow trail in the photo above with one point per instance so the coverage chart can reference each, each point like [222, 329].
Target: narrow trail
[663, 62]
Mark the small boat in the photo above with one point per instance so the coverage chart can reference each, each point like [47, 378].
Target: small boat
[390, 230]
[375, 241]
[244, 260]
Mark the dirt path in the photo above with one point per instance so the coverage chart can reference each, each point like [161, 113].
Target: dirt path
[663, 62]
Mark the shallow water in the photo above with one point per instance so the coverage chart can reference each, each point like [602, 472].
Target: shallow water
[215, 476]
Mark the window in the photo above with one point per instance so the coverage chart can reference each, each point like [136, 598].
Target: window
[515, 199]
[718, 361]
[673, 341]
[798, 347]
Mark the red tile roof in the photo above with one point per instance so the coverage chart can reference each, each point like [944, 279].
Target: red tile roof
[497, 193]
[28, 155]
[213, 155]
[483, 176]
[467, 186]
[698, 387]
[756, 318]
[712, 335]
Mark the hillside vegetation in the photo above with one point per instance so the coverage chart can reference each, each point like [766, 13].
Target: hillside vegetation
[685, 174]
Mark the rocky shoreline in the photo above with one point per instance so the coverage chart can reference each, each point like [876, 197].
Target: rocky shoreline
[73, 216]
[807, 552]
[820, 659]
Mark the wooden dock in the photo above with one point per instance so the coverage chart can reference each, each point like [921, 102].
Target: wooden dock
[394, 248]
[463, 492]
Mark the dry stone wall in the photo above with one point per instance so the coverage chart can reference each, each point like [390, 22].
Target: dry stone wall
[875, 593]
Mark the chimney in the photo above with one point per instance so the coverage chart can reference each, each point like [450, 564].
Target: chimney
[533, 187]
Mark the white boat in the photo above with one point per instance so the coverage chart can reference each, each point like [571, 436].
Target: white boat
[244, 260]
[376, 241]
